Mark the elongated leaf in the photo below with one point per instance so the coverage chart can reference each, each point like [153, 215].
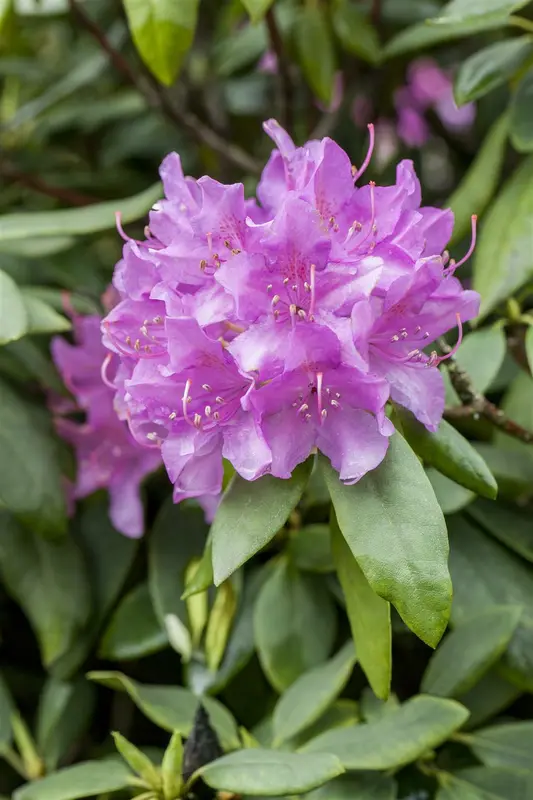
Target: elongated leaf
[64, 714]
[507, 523]
[396, 738]
[311, 694]
[87, 779]
[477, 187]
[250, 514]
[357, 787]
[490, 67]
[450, 495]
[503, 256]
[452, 788]
[488, 697]
[295, 624]
[369, 616]
[172, 707]
[508, 746]
[49, 581]
[202, 577]
[163, 31]
[310, 548]
[78, 221]
[219, 625]
[461, 11]
[313, 36]
[450, 453]
[341, 714]
[422, 35]
[355, 32]
[497, 784]
[481, 354]
[137, 760]
[13, 314]
[396, 531]
[41, 317]
[270, 773]
[504, 580]
[257, 8]
[6, 707]
[521, 121]
[134, 630]
[513, 470]
[178, 536]
[469, 651]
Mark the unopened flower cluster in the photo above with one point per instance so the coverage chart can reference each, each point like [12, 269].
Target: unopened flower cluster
[259, 330]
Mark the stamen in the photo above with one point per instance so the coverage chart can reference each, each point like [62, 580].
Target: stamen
[172, 416]
[206, 387]
[453, 266]
[269, 287]
[185, 400]
[103, 371]
[220, 400]
[216, 416]
[120, 229]
[368, 156]
[301, 313]
[303, 407]
[335, 403]
[285, 281]
[439, 359]
[197, 420]
[319, 379]
[275, 300]
[313, 281]
[207, 411]
[323, 414]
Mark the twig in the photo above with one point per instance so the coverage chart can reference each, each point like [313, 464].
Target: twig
[157, 98]
[68, 196]
[376, 12]
[476, 405]
[286, 88]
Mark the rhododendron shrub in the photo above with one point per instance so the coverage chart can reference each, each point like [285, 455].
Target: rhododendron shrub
[265, 399]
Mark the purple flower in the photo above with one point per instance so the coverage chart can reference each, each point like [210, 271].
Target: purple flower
[258, 332]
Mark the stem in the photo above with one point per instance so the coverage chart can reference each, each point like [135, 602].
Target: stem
[69, 196]
[521, 22]
[286, 88]
[14, 761]
[157, 98]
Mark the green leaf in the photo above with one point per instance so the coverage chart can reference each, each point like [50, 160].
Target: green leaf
[477, 187]
[502, 262]
[133, 630]
[219, 625]
[178, 536]
[369, 616]
[310, 548]
[462, 11]
[6, 707]
[450, 453]
[48, 580]
[357, 787]
[395, 529]
[513, 470]
[395, 739]
[488, 697]
[172, 707]
[163, 32]
[341, 714]
[504, 580]
[136, 760]
[311, 694]
[372, 708]
[250, 514]
[313, 36]
[257, 8]
[508, 746]
[508, 523]
[171, 767]
[469, 651]
[78, 221]
[295, 624]
[41, 317]
[529, 347]
[496, 784]
[87, 779]
[452, 788]
[269, 773]
[202, 577]
[450, 495]
[37, 248]
[490, 67]
[521, 119]
[355, 32]
[424, 36]
[13, 314]
[109, 556]
[481, 354]
[64, 714]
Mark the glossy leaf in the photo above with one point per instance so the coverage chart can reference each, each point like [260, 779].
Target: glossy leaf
[372, 707]
[13, 314]
[513, 470]
[294, 622]
[249, 516]
[461, 11]
[357, 787]
[497, 784]
[172, 707]
[133, 630]
[201, 578]
[136, 760]
[521, 118]
[6, 706]
[481, 354]
[341, 714]
[421, 35]
[450, 495]
[488, 697]
[508, 523]
[490, 67]
[313, 36]
[450, 453]
[508, 746]
[78, 221]
[163, 31]
[310, 548]
[41, 318]
[396, 531]
[504, 580]
[369, 616]
[88, 779]
[502, 261]
[171, 766]
[270, 773]
[311, 694]
[257, 8]
[452, 788]
[469, 651]
[395, 739]
[48, 580]
[355, 32]
[64, 714]
[479, 184]
[219, 625]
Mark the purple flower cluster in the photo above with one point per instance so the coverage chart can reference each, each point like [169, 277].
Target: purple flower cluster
[259, 331]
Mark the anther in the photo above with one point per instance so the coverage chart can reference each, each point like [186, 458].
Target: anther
[152, 437]
[137, 345]
[275, 299]
[206, 387]
[172, 416]
[219, 399]
[335, 404]
[303, 408]
[203, 264]
[323, 413]
[301, 313]
[417, 329]
[269, 287]
[207, 411]
[285, 281]
[216, 416]
[395, 338]
[197, 420]
[307, 417]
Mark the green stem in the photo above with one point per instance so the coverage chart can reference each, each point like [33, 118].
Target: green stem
[14, 761]
[521, 22]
